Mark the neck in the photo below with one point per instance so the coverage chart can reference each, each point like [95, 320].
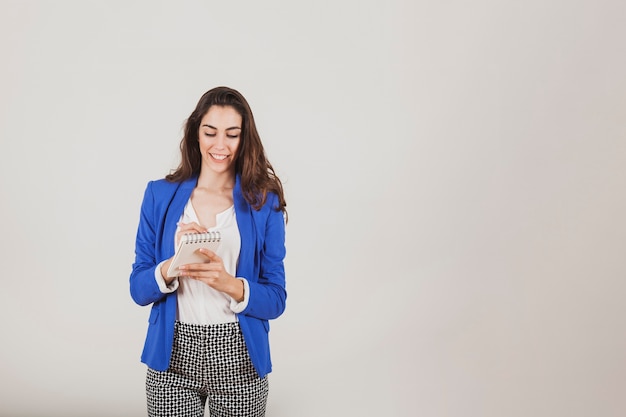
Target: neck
[216, 181]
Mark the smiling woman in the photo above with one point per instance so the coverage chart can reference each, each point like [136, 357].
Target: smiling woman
[207, 337]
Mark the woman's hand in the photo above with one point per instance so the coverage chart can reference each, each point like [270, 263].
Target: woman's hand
[214, 275]
[183, 228]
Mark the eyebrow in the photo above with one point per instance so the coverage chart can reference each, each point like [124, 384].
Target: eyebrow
[228, 128]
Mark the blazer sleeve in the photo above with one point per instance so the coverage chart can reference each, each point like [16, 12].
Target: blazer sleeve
[143, 286]
[267, 293]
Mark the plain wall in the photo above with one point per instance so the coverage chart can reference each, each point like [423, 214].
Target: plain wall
[455, 177]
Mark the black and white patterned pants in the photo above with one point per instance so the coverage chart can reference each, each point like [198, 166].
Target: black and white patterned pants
[208, 363]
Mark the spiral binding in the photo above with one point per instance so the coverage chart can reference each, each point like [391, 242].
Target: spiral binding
[207, 237]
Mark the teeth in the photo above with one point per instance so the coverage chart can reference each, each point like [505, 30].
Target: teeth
[219, 157]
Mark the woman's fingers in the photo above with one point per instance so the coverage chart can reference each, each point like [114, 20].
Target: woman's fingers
[208, 267]
[184, 228]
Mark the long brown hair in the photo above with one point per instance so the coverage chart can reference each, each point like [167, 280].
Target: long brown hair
[257, 174]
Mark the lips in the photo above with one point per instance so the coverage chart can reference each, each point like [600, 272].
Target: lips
[218, 156]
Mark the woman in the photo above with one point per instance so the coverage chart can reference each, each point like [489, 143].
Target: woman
[208, 328]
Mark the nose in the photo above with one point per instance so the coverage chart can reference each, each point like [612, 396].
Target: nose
[220, 140]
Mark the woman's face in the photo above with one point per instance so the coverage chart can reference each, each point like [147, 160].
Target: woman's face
[219, 136]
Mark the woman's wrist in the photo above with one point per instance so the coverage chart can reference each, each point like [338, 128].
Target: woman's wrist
[164, 267]
[238, 293]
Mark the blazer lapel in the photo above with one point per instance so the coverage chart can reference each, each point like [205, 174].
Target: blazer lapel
[174, 211]
[246, 230]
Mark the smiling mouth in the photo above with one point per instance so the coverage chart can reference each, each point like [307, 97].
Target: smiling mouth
[218, 157]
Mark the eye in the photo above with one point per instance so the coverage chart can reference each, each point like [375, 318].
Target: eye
[211, 135]
[233, 136]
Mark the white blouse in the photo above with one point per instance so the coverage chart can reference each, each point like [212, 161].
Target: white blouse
[197, 302]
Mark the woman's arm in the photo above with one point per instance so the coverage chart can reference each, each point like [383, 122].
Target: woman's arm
[268, 295]
[143, 286]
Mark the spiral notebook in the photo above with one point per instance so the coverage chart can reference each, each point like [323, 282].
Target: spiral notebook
[187, 250]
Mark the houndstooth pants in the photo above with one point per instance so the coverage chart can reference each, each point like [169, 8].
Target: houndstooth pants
[208, 363]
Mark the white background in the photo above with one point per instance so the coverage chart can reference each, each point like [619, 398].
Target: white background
[455, 178]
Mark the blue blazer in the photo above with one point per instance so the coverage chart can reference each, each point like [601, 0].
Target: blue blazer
[260, 262]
